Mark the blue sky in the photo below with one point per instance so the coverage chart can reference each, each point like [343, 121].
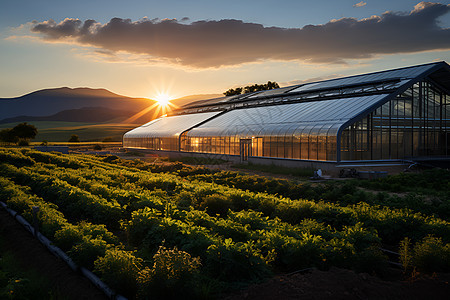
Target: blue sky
[44, 54]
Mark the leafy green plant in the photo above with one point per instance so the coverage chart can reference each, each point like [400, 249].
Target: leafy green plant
[172, 276]
[120, 269]
[406, 257]
[87, 251]
[432, 255]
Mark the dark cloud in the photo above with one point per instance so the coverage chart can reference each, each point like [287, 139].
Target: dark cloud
[204, 44]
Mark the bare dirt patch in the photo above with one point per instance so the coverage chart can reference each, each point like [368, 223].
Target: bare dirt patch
[31, 254]
[345, 284]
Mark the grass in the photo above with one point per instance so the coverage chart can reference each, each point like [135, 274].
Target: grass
[85, 133]
[47, 124]
[273, 169]
[134, 153]
[78, 144]
[61, 131]
[199, 160]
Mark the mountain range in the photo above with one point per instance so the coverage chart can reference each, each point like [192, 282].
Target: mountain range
[81, 105]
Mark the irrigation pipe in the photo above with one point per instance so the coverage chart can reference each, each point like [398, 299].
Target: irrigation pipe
[399, 265]
[300, 271]
[63, 256]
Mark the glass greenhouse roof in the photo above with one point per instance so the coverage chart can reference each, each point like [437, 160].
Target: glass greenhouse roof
[410, 72]
[287, 118]
[378, 82]
[170, 126]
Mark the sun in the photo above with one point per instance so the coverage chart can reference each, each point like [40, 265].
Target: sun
[163, 99]
[159, 104]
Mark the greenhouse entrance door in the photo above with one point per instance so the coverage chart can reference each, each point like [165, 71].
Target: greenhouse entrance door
[246, 149]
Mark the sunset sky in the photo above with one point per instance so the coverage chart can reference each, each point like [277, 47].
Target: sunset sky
[140, 48]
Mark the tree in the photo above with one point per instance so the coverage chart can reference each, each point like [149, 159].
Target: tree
[231, 92]
[252, 88]
[21, 133]
[74, 138]
[7, 136]
[25, 131]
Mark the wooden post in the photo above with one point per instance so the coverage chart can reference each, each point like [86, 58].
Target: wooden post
[35, 220]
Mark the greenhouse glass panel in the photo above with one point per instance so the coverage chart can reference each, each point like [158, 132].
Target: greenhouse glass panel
[409, 72]
[412, 124]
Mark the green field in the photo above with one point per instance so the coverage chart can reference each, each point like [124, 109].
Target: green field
[170, 231]
[61, 131]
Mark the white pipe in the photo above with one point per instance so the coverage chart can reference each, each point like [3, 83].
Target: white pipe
[11, 212]
[24, 223]
[97, 282]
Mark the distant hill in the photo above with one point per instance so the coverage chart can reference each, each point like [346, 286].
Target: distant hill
[80, 105]
[192, 98]
[50, 102]
[85, 115]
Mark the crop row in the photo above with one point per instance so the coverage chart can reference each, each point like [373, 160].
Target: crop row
[124, 186]
[427, 192]
[216, 199]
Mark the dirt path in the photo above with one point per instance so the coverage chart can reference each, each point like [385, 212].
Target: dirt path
[346, 285]
[31, 254]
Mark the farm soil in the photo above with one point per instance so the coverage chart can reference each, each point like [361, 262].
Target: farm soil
[31, 254]
[345, 284]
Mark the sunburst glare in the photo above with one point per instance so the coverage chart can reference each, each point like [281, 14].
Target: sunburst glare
[163, 99]
[162, 106]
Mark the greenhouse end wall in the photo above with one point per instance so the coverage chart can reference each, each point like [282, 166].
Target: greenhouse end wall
[414, 124]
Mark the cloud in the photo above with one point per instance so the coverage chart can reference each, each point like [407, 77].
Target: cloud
[360, 4]
[212, 44]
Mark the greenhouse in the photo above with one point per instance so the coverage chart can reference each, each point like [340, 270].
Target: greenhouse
[398, 114]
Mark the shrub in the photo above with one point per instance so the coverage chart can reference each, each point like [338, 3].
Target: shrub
[111, 158]
[24, 143]
[360, 237]
[67, 237]
[171, 265]
[184, 199]
[74, 139]
[120, 269]
[142, 221]
[235, 262]
[303, 253]
[217, 205]
[432, 255]
[405, 254]
[87, 251]
[370, 260]
[173, 275]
